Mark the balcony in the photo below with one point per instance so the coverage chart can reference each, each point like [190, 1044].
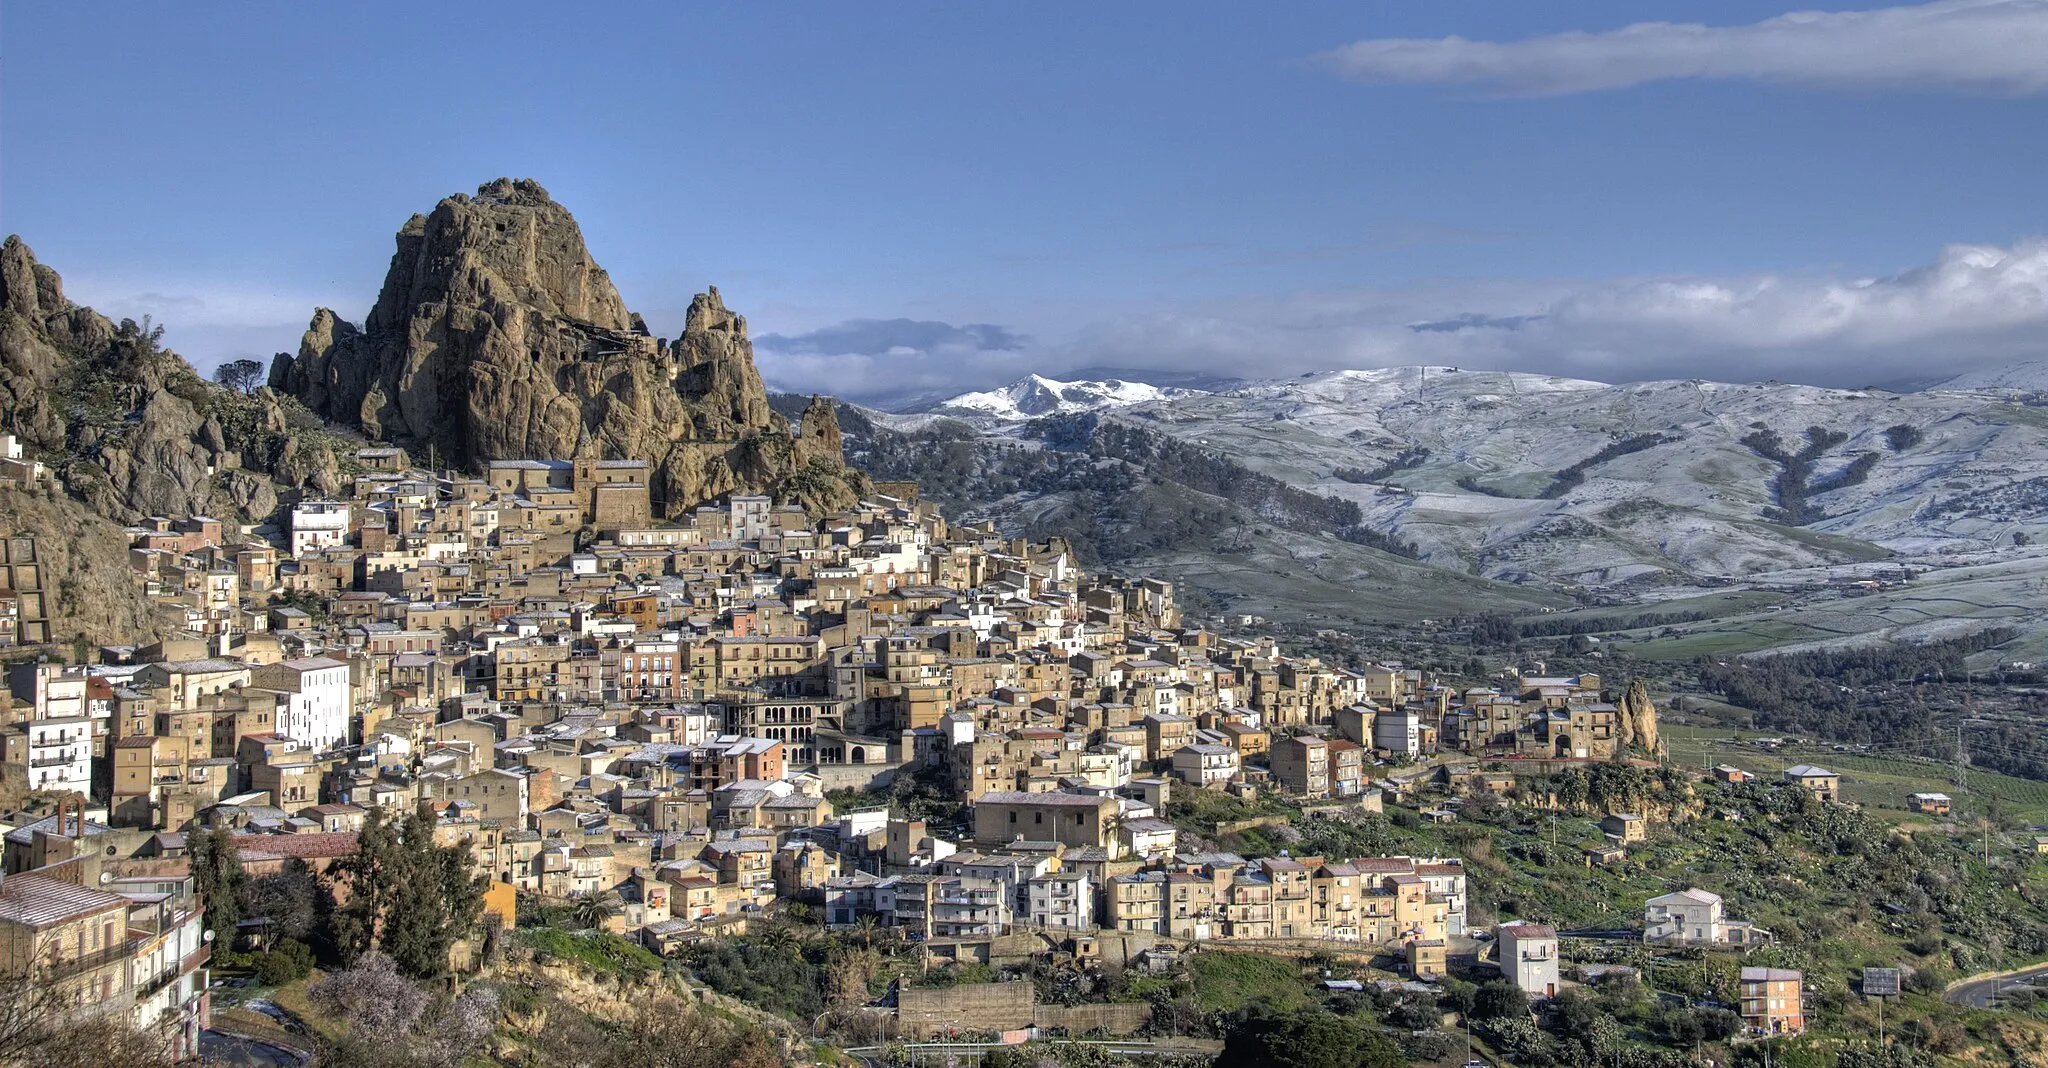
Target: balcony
[151, 986]
[71, 966]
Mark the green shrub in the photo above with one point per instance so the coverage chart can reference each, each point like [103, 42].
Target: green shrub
[288, 961]
[600, 951]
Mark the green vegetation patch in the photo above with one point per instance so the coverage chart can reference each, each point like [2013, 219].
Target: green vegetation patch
[600, 951]
[1227, 982]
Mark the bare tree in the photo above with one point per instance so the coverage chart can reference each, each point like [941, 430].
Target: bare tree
[242, 376]
[43, 1023]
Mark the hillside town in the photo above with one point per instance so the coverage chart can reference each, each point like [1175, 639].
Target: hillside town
[658, 717]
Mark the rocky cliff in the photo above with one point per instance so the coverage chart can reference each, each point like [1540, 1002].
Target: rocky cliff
[1636, 726]
[496, 336]
[130, 428]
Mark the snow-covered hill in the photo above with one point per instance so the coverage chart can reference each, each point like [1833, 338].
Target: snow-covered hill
[1035, 395]
[1565, 481]
[2026, 375]
[1645, 492]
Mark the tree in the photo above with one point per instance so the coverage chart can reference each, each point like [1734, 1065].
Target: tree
[779, 941]
[284, 962]
[1457, 995]
[376, 1001]
[284, 900]
[392, 1023]
[41, 1024]
[1310, 1038]
[865, 923]
[1495, 630]
[437, 902]
[1521, 1041]
[371, 875]
[408, 897]
[669, 1033]
[1498, 1000]
[218, 877]
[1886, 1057]
[591, 912]
[242, 376]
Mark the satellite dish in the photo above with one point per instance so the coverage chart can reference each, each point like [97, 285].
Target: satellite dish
[106, 877]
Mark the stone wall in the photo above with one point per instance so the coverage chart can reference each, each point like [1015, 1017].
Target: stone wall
[1234, 826]
[972, 1007]
[922, 1013]
[1120, 1019]
[855, 776]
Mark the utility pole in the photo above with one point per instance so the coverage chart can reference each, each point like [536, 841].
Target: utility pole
[1962, 762]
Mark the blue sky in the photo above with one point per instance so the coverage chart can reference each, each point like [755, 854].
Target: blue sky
[910, 198]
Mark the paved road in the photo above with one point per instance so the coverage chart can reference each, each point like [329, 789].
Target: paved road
[1977, 993]
[1197, 1047]
[220, 1047]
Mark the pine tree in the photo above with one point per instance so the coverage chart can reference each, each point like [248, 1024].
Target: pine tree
[218, 878]
[371, 875]
[437, 902]
[408, 897]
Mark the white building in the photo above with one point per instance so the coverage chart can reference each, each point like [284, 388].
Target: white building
[1206, 766]
[968, 908]
[752, 517]
[320, 703]
[1691, 917]
[318, 525]
[1061, 899]
[1398, 732]
[1527, 954]
[1149, 837]
[1445, 879]
[53, 691]
[60, 754]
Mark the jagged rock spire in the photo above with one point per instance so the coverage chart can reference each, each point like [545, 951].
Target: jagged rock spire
[497, 336]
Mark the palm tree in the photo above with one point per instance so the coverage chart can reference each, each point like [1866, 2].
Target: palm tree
[865, 923]
[778, 940]
[1113, 827]
[592, 912]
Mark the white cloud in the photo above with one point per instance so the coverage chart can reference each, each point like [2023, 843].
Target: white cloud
[1969, 307]
[1973, 306]
[1990, 47]
[210, 322]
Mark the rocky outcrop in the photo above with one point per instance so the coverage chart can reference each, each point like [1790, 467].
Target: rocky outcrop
[88, 590]
[818, 432]
[1636, 725]
[496, 336]
[130, 427]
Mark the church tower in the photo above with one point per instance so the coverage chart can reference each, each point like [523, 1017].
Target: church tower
[583, 474]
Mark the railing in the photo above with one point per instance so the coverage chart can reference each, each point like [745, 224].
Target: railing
[149, 987]
[70, 966]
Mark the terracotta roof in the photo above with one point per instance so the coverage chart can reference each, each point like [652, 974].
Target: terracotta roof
[326, 844]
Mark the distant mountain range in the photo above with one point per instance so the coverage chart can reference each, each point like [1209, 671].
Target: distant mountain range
[1645, 491]
[1036, 395]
